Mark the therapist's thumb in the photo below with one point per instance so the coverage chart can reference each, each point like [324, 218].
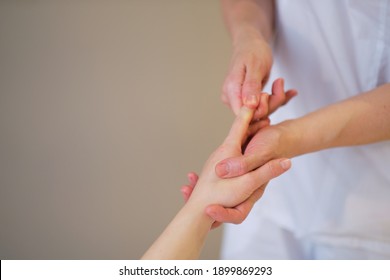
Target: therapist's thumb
[268, 171]
[237, 166]
[258, 179]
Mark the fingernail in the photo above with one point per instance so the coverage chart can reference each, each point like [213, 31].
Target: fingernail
[222, 169]
[285, 164]
[251, 99]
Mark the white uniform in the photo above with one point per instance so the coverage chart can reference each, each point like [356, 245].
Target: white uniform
[333, 204]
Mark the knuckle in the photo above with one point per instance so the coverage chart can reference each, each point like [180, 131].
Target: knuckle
[231, 88]
[224, 148]
[242, 167]
[251, 85]
[273, 171]
[252, 58]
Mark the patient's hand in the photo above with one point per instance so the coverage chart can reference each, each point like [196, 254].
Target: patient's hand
[231, 197]
[267, 105]
[186, 191]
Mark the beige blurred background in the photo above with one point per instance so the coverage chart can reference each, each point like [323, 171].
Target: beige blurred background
[104, 108]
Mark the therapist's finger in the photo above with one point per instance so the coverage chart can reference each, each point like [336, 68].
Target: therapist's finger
[215, 224]
[263, 108]
[227, 215]
[237, 214]
[237, 166]
[279, 97]
[232, 87]
[272, 169]
[289, 95]
[253, 81]
[238, 131]
[255, 126]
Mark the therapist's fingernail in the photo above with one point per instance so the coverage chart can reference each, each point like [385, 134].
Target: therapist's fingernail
[251, 100]
[285, 164]
[222, 169]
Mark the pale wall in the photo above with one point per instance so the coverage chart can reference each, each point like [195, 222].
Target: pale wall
[104, 108]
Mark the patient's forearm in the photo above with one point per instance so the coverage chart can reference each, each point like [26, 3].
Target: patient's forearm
[184, 237]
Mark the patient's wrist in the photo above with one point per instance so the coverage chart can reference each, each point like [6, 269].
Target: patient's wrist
[197, 212]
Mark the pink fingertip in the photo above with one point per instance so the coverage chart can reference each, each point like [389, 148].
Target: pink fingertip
[285, 164]
[222, 169]
[293, 92]
[212, 213]
[251, 100]
[185, 190]
[278, 87]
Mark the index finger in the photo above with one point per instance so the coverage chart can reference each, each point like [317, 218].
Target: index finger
[238, 131]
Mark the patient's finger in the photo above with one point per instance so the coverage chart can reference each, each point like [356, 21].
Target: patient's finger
[192, 178]
[238, 131]
[215, 225]
[186, 192]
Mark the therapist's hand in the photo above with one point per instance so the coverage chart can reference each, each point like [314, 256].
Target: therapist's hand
[266, 142]
[249, 71]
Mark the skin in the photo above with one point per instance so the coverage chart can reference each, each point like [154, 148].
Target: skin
[360, 120]
[238, 213]
[251, 25]
[184, 237]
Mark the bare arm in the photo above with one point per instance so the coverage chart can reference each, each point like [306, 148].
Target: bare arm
[242, 16]
[360, 120]
[185, 235]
